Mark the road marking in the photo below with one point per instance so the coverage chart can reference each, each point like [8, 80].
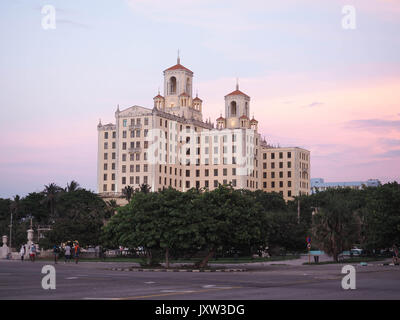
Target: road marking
[149, 282]
[178, 291]
[174, 293]
[71, 278]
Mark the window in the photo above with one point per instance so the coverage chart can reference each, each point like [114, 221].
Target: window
[105, 135]
[272, 184]
[289, 174]
[289, 183]
[216, 183]
[289, 193]
[206, 183]
[124, 134]
[114, 134]
[197, 173]
[280, 184]
[280, 165]
[206, 172]
[215, 172]
[104, 187]
[123, 145]
[105, 156]
[124, 157]
[187, 184]
[131, 168]
[225, 172]
[105, 177]
[123, 180]
[113, 145]
[280, 174]
[113, 177]
[146, 121]
[187, 173]
[124, 169]
[234, 182]
[138, 168]
[289, 155]
[234, 171]
[137, 180]
[264, 175]
[272, 175]
[124, 122]
[272, 165]
[272, 155]
[105, 166]
[131, 180]
[280, 155]
[289, 164]
[113, 166]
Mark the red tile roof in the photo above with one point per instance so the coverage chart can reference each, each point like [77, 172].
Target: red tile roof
[254, 120]
[158, 96]
[184, 94]
[221, 118]
[178, 67]
[237, 93]
[244, 117]
[197, 99]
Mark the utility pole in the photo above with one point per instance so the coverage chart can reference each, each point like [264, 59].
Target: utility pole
[298, 210]
[11, 221]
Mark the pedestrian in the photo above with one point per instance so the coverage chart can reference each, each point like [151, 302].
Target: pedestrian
[56, 252]
[77, 250]
[22, 252]
[67, 253]
[395, 255]
[32, 252]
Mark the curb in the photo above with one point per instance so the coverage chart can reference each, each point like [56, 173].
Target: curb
[176, 270]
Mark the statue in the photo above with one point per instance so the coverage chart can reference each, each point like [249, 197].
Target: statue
[4, 250]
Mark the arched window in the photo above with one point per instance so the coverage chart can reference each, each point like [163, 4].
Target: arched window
[172, 85]
[233, 109]
[188, 86]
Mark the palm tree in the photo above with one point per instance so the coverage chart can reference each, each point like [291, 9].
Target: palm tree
[128, 192]
[145, 188]
[73, 186]
[51, 193]
[112, 206]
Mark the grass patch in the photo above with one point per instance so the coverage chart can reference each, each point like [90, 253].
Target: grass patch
[216, 261]
[349, 260]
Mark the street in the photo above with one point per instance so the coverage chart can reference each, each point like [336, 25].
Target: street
[94, 280]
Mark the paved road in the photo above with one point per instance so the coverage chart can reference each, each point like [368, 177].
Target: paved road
[91, 280]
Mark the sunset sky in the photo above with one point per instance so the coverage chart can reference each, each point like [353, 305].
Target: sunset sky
[312, 84]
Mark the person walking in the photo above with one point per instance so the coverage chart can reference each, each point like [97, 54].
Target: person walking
[22, 252]
[32, 252]
[56, 252]
[67, 253]
[77, 250]
[395, 255]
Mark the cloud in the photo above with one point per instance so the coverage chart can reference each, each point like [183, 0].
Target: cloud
[395, 153]
[314, 104]
[374, 124]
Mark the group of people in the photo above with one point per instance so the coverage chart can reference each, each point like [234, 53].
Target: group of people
[32, 252]
[70, 250]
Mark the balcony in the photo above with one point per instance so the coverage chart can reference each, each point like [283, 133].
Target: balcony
[135, 150]
[135, 126]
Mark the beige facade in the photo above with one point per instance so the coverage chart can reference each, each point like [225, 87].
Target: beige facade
[170, 145]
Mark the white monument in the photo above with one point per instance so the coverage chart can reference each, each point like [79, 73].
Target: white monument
[4, 250]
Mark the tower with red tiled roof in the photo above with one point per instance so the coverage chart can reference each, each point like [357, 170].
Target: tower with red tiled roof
[178, 81]
[237, 104]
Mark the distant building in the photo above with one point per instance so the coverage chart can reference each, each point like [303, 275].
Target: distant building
[318, 184]
[171, 146]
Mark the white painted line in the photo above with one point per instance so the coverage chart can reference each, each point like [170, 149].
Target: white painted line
[71, 278]
[209, 286]
[149, 282]
[183, 291]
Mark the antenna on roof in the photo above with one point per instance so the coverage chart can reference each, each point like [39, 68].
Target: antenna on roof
[179, 59]
[237, 83]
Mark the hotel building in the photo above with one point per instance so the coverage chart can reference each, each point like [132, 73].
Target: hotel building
[171, 145]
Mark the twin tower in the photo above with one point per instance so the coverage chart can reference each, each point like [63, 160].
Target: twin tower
[178, 100]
